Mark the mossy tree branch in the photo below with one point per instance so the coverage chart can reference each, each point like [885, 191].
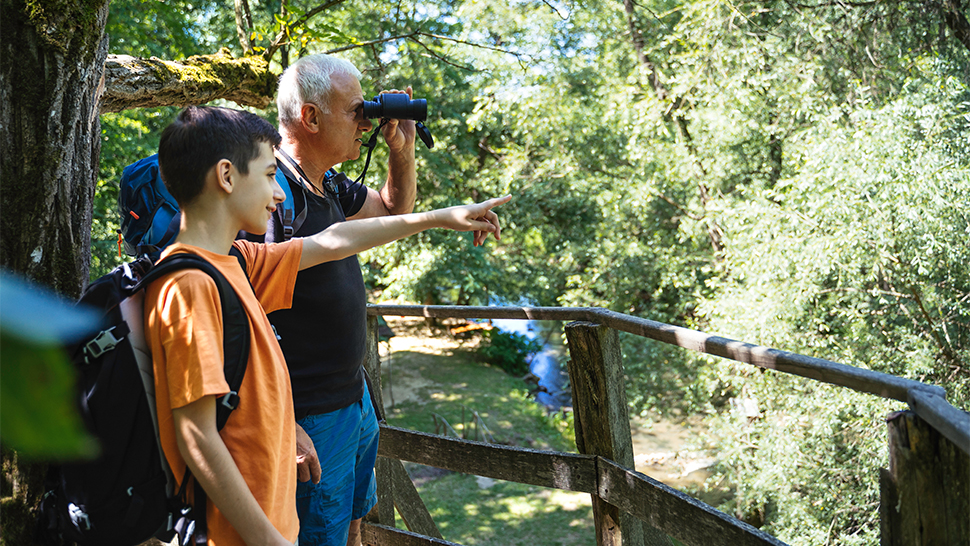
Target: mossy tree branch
[131, 82]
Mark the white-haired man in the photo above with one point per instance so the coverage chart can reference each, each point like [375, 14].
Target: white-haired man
[323, 335]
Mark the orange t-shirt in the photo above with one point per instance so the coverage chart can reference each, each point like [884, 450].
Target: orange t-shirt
[183, 327]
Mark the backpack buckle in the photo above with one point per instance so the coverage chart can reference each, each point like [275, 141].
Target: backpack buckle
[230, 400]
[78, 517]
[105, 342]
[287, 223]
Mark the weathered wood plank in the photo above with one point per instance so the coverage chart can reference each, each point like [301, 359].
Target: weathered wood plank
[858, 379]
[929, 480]
[409, 504]
[385, 492]
[641, 496]
[603, 425]
[952, 422]
[677, 514]
[382, 535]
[372, 362]
[468, 311]
[566, 471]
[889, 524]
[382, 467]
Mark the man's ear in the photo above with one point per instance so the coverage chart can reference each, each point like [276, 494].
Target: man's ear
[224, 175]
[310, 117]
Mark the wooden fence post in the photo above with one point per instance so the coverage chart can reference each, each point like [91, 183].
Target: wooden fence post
[385, 490]
[603, 424]
[925, 494]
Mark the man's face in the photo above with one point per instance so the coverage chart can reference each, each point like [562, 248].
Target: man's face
[343, 127]
[258, 190]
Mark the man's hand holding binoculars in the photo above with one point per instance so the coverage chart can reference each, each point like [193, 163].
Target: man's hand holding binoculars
[399, 133]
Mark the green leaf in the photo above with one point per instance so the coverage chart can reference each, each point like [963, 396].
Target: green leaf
[38, 412]
[38, 418]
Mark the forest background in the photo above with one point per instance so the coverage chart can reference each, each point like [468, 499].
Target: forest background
[791, 174]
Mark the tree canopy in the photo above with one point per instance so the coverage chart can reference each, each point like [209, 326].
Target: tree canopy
[789, 173]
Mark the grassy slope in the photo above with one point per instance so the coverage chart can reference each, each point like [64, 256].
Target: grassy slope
[436, 376]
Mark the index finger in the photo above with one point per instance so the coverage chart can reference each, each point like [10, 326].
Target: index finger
[496, 201]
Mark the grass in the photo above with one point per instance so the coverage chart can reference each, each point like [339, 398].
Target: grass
[436, 377]
[505, 513]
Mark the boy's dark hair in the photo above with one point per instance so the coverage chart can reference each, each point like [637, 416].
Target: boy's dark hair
[201, 136]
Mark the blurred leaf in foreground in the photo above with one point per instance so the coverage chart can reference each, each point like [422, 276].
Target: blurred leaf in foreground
[38, 415]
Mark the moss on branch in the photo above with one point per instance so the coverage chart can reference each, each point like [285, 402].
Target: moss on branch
[143, 83]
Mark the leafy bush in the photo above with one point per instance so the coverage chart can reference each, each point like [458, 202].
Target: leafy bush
[509, 351]
[860, 257]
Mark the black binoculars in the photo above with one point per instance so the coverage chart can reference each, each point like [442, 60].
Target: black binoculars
[400, 106]
[396, 106]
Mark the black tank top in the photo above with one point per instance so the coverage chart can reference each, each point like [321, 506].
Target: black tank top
[323, 335]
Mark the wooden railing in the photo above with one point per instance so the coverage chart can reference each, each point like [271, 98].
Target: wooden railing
[925, 494]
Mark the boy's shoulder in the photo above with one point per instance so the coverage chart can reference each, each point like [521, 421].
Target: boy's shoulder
[271, 267]
[258, 254]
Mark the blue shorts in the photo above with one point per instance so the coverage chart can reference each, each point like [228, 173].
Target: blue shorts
[346, 443]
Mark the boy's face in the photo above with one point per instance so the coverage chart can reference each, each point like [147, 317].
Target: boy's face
[344, 126]
[258, 191]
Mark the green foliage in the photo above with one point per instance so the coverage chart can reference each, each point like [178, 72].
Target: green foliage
[509, 351]
[168, 30]
[38, 415]
[861, 258]
[806, 464]
[789, 175]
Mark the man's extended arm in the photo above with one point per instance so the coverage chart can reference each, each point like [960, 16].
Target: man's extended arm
[212, 465]
[345, 239]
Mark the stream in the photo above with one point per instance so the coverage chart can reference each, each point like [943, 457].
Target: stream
[663, 448]
[553, 392]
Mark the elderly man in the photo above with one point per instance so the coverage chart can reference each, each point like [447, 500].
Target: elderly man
[323, 335]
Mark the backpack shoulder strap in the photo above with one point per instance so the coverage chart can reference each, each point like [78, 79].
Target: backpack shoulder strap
[291, 219]
[235, 340]
[235, 253]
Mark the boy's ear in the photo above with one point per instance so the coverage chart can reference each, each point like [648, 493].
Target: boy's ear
[224, 175]
[310, 117]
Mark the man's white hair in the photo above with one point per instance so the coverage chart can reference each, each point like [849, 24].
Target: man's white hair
[308, 80]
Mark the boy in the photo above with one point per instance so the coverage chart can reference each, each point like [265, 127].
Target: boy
[219, 165]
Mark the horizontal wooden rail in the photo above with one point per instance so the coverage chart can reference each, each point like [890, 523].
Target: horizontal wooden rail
[665, 508]
[951, 422]
[680, 516]
[567, 471]
[374, 534]
[928, 401]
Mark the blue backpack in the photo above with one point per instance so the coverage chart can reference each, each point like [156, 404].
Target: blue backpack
[150, 215]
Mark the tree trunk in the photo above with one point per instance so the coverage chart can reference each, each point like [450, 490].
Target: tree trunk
[51, 65]
[52, 61]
